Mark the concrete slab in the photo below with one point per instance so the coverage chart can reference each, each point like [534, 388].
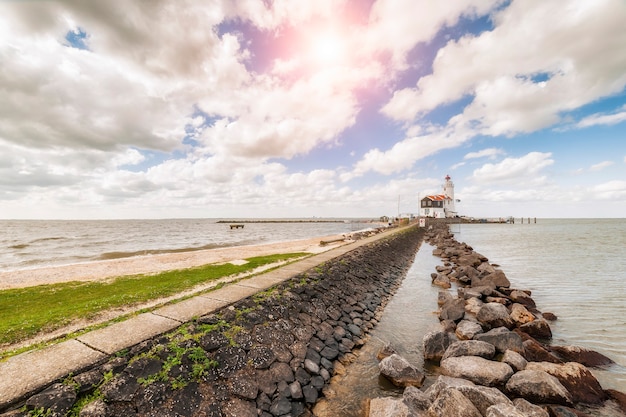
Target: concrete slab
[261, 282]
[119, 336]
[29, 372]
[231, 293]
[188, 309]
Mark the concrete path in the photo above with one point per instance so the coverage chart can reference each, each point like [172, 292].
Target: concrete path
[28, 373]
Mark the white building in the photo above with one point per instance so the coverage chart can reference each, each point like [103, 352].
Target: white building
[439, 205]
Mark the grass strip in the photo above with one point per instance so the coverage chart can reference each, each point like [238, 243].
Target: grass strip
[26, 312]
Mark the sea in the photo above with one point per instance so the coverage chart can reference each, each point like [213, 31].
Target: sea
[26, 244]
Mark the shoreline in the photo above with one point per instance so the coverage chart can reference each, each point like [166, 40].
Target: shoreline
[155, 263]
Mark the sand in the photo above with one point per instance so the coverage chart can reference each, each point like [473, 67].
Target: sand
[102, 270]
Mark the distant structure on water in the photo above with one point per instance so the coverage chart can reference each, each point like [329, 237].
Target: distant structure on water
[440, 206]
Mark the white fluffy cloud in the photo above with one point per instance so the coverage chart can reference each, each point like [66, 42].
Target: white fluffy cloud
[528, 69]
[526, 169]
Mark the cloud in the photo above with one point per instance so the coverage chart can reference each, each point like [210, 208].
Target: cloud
[527, 71]
[611, 190]
[600, 166]
[524, 170]
[602, 119]
[490, 153]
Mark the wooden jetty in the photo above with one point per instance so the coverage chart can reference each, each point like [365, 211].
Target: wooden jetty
[236, 226]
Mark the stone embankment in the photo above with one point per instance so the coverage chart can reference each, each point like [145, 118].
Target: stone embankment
[493, 352]
[268, 355]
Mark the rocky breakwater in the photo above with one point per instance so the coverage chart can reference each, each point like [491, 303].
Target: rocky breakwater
[493, 352]
[268, 355]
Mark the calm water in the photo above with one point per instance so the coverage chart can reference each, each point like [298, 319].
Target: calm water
[37, 243]
[575, 268]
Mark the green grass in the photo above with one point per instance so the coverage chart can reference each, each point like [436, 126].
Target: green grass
[26, 312]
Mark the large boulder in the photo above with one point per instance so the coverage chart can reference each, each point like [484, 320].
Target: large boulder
[514, 360]
[538, 387]
[494, 315]
[503, 410]
[581, 355]
[452, 403]
[484, 397]
[435, 345]
[498, 278]
[417, 401]
[503, 339]
[388, 407]
[528, 409]
[538, 328]
[472, 259]
[467, 329]
[478, 370]
[473, 305]
[444, 382]
[520, 314]
[470, 348]
[453, 309]
[576, 378]
[400, 372]
[522, 297]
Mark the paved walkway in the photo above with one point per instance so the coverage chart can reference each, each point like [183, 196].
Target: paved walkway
[29, 372]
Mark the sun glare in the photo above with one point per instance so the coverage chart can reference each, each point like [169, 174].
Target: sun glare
[327, 49]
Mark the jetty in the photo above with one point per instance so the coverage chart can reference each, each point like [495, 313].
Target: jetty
[236, 226]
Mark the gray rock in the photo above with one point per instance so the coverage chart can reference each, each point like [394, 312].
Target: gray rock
[471, 259]
[470, 348]
[443, 297]
[503, 410]
[452, 403]
[444, 382]
[537, 328]
[503, 339]
[280, 406]
[400, 372]
[310, 394]
[522, 297]
[58, 399]
[494, 315]
[497, 277]
[453, 309]
[538, 387]
[467, 329]
[528, 409]
[484, 397]
[311, 367]
[417, 401]
[435, 345]
[514, 360]
[576, 378]
[388, 407]
[442, 280]
[478, 370]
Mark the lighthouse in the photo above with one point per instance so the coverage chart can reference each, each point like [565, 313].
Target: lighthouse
[448, 191]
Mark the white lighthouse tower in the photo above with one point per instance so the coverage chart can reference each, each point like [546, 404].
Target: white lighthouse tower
[448, 191]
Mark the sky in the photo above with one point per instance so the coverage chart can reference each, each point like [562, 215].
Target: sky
[311, 108]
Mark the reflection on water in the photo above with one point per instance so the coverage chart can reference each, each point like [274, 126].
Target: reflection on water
[409, 315]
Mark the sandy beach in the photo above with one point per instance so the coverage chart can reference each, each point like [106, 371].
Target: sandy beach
[101, 270]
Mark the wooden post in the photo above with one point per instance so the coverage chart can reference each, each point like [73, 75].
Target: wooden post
[522, 220]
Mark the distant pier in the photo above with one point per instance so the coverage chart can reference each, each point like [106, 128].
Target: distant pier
[236, 226]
